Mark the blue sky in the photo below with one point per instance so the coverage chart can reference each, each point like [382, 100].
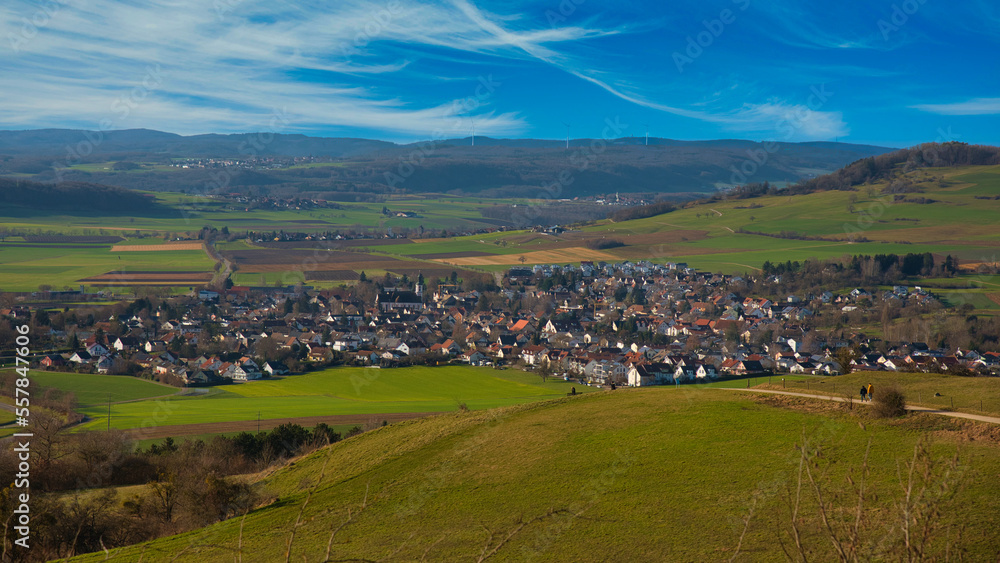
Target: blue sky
[885, 72]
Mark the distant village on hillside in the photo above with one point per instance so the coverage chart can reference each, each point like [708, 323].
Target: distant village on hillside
[634, 324]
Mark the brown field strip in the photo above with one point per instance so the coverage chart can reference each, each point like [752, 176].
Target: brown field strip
[332, 275]
[428, 272]
[330, 244]
[323, 267]
[976, 266]
[373, 242]
[156, 247]
[563, 255]
[994, 297]
[268, 257]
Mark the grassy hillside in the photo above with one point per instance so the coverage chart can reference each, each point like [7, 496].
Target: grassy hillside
[640, 475]
[829, 224]
[94, 390]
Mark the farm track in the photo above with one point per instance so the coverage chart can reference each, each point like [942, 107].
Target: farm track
[953, 414]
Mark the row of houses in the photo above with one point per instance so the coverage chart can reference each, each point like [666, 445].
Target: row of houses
[626, 323]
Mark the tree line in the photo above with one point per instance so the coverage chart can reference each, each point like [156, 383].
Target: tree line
[886, 166]
[184, 485]
[78, 197]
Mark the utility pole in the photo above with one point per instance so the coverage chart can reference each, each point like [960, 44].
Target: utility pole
[258, 422]
[109, 412]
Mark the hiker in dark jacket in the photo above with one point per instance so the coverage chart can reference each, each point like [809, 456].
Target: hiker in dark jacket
[864, 392]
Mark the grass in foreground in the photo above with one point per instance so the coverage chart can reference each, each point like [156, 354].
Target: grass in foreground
[652, 474]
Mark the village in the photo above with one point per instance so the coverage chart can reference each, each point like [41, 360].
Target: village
[622, 324]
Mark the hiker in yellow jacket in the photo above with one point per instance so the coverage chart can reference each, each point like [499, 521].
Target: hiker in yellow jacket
[870, 391]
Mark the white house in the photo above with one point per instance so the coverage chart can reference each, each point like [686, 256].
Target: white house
[641, 375]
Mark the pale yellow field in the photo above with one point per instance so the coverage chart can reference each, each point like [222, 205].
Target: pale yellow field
[557, 256]
[974, 266]
[156, 247]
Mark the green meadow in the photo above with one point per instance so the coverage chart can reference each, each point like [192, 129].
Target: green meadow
[339, 391]
[25, 268]
[93, 390]
[657, 474]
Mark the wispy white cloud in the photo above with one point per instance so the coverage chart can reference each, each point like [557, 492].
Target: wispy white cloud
[825, 26]
[975, 106]
[227, 65]
[228, 69]
[789, 122]
[773, 119]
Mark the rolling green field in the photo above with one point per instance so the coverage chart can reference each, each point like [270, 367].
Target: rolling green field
[658, 474]
[708, 238]
[339, 391]
[25, 268]
[705, 236]
[93, 390]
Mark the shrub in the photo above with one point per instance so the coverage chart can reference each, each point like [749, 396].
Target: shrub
[888, 402]
[603, 244]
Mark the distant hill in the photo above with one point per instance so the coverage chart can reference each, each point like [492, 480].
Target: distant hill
[77, 198]
[491, 168]
[54, 142]
[890, 165]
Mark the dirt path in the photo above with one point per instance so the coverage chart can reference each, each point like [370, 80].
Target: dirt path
[717, 212]
[179, 430]
[980, 418]
[224, 271]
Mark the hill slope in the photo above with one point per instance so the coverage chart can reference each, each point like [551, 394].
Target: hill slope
[81, 198]
[945, 211]
[653, 474]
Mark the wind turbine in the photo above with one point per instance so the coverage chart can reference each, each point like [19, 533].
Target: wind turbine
[646, 125]
[567, 133]
[473, 133]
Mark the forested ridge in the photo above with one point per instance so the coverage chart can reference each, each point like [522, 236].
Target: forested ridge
[77, 197]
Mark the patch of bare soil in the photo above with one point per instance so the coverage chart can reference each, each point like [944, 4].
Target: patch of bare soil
[802, 404]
